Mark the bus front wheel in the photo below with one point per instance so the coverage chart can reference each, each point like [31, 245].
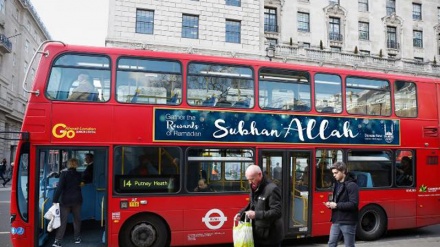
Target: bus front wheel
[144, 231]
[372, 223]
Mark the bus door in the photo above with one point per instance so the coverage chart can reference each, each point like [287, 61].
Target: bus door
[49, 164]
[290, 171]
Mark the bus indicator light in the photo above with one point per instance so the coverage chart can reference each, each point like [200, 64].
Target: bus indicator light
[133, 204]
[17, 230]
[124, 204]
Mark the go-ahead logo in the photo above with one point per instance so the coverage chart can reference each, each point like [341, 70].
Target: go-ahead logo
[61, 130]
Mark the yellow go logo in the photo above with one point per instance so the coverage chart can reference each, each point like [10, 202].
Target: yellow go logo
[59, 131]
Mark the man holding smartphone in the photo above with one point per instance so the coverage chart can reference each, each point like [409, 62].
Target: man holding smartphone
[344, 206]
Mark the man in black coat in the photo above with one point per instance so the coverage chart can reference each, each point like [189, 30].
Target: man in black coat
[344, 206]
[87, 176]
[264, 209]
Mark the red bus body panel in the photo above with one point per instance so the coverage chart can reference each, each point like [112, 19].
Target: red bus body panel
[127, 124]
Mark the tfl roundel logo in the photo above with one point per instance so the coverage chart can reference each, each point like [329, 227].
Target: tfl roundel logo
[214, 219]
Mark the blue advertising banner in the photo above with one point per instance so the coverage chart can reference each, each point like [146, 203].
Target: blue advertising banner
[219, 126]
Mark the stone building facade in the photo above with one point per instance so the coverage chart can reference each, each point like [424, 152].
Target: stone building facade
[396, 36]
[21, 32]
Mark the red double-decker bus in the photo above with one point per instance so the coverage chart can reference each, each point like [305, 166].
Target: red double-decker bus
[156, 123]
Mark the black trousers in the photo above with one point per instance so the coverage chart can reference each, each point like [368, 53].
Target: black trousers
[65, 211]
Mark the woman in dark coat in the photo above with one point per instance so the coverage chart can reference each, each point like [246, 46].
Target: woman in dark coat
[69, 189]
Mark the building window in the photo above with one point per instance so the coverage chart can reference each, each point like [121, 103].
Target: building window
[392, 38]
[391, 7]
[418, 39]
[26, 46]
[438, 14]
[335, 48]
[417, 11]
[363, 5]
[364, 30]
[303, 22]
[418, 59]
[270, 20]
[364, 52]
[190, 26]
[272, 41]
[333, 1]
[233, 3]
[144, 21]
[438, 38]
[2, 6]
[335, 31]
[233, 31]
[306, 45]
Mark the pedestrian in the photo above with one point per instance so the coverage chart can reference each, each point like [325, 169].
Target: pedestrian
[344, 206]
[277, 172]
[264, 209]
[3, 170]
[69, 190]
[87, 175]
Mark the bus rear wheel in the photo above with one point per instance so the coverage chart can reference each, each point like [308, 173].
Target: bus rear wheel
[144, 231]
[372, 223]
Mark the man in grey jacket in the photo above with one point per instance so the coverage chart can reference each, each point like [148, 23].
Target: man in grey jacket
[264, 209]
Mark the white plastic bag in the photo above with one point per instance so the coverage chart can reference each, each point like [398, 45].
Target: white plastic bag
[53, 214]
[242, 234]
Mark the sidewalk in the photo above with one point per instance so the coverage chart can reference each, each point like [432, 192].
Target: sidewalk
[6, 188]
[410, 242]
[415, 241]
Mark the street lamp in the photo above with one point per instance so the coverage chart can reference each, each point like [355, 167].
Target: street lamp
[270, 51]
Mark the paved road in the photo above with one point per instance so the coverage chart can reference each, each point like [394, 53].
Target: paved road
[4, 215]
[423, 237]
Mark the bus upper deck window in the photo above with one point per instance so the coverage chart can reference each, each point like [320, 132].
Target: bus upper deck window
[149, 81]
[368, 96]
[328, 91]
[218, 85]
[405, 99]
[75, 77]
[284, 90]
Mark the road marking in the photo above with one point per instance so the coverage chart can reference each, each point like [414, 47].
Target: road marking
[5, 201]
[4, 232]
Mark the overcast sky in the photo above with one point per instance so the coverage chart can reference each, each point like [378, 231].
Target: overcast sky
[82, 22]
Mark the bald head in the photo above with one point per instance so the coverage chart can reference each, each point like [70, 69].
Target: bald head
[254, 175]
[253, 170]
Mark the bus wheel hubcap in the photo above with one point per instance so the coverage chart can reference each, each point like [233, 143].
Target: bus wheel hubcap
[143, 235]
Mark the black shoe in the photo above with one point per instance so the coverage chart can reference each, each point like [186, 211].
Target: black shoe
[57, 243]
